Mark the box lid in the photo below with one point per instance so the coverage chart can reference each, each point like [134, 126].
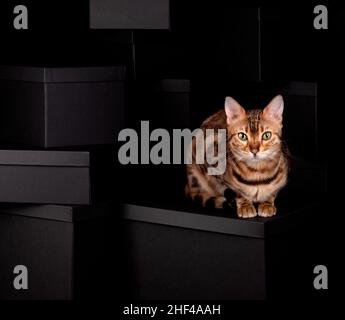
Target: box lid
[45, 158]
[62, 213]
[70, 74]
[134, 14]
[217, 220]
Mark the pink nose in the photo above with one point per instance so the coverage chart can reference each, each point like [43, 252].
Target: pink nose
[254, 151]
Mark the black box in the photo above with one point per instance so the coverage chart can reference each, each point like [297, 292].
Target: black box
[165, 103]
[56, 176]
[134, 14]
[62, 247]
[58, 107]
[175, 249]
[184, 252]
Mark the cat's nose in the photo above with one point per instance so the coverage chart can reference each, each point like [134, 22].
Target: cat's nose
[254, 151]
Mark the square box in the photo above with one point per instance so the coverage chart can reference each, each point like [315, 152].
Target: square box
[62, 247]
[180, 252]
[175, 249]
[165, 103]
[58, 107]
[56, 176]
[134, 14]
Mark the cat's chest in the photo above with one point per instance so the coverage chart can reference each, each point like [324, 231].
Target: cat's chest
[258, 188]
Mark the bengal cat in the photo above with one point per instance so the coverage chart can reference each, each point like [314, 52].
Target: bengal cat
[257, 161]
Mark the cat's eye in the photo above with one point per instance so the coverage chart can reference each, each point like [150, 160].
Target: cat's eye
[266, 135]
[242, 136]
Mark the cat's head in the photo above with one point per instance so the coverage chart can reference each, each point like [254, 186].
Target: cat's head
[254, 135]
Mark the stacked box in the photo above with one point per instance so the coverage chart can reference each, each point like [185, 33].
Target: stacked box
[63, 248]
[180, 252]
[57, 162]
[60, 107]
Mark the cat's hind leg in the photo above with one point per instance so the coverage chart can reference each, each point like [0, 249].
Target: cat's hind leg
[201, 190]
[204, 197]
[217, 202]
[207, 199]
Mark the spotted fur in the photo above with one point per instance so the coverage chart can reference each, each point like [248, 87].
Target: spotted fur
[256, 168]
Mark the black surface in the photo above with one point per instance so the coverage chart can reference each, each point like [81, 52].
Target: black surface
[221, 221]
[61, 213]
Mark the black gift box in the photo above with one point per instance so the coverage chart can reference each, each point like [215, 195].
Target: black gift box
[56, 176]
[134, 14]
[175, 249]
[165, 103]
[185, 252]
[57, 107]
[62, 248]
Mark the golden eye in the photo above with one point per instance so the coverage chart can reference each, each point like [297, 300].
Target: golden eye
[266, 135]
[242, 136]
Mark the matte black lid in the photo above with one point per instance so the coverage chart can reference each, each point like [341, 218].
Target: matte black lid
[200, 220]
[62, 213]
[70, 74]
[45, 158]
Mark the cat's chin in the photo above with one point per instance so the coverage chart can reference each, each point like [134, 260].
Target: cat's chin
[255, 160]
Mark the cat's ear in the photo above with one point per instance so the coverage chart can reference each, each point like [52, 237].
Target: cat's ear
[233, 110]
[274, 110]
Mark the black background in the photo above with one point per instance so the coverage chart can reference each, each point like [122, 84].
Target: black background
[198, 48]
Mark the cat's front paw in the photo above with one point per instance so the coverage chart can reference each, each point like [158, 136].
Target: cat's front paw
[246, 210]
[266, 210]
